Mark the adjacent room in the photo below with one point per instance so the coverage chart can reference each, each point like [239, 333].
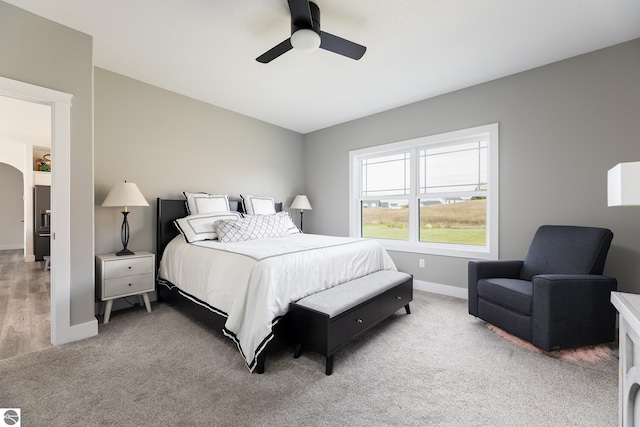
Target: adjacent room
[392, 193]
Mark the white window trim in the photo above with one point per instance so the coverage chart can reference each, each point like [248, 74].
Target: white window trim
[490, 251]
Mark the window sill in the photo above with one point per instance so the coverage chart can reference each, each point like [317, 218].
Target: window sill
[459, 251]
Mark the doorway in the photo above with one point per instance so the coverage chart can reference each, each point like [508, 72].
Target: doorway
[60, 104]
[25, 302]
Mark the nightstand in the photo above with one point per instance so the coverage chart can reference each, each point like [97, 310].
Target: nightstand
[121, 276]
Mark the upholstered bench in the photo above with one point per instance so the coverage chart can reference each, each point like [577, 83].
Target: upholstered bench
[327, 321]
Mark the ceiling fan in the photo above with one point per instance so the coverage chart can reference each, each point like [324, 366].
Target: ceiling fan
[307, 36]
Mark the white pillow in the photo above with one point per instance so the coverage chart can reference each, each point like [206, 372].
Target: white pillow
[254, 205]
[195, 228]
[251, 228]
[200, 203]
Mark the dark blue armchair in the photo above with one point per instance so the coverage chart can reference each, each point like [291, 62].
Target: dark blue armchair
[557, 298]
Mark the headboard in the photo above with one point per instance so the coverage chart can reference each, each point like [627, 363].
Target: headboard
[168, 211]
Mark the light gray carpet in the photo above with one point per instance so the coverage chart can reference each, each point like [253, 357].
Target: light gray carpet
[438, 366]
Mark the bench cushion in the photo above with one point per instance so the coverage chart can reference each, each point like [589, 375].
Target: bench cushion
[341, 298]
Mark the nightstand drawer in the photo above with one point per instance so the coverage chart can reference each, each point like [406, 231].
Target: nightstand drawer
[127, 267]
[122, 286]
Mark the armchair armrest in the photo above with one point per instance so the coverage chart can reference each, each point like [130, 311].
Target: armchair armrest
[486, 269]
[567, 306]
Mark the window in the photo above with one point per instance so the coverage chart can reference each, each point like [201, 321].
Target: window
[436, 194]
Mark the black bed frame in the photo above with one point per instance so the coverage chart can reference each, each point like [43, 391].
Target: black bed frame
[170, 210]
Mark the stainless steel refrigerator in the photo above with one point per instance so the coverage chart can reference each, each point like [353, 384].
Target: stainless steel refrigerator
[41, 221]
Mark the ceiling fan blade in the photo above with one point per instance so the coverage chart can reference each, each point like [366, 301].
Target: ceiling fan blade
[300, 12]
[274, 52]
[341, 46]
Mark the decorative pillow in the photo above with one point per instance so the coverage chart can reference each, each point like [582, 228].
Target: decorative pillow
[252, 227]
[195, 228]
[254, 205]
[286, 220]
[200, 203]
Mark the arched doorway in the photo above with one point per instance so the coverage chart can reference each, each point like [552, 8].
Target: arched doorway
[12, 207]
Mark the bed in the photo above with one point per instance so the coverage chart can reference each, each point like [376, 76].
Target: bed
[244, 288]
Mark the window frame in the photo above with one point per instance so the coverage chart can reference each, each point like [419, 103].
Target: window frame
[489, 251]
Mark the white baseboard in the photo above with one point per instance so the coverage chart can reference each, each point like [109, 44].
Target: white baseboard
[436, 288]
[10, 246]
[83, 330]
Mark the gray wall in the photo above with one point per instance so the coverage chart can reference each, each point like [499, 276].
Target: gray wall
[168, 143]
[41, 52]
[11, 208]
[562, 126]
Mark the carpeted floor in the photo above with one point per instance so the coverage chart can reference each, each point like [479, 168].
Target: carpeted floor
[438, 366]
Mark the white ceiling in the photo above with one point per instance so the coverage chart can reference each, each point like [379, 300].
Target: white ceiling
[416, 49]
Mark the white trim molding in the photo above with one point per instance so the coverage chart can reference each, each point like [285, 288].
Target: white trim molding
[11, 246]
[83, 330]
[436, 288]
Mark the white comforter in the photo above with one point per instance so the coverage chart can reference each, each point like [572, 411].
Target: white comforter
[253, 282]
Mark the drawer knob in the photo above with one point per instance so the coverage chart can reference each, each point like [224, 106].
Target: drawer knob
[129, 284]
[398, 297]
[129, 267]
[359, 320]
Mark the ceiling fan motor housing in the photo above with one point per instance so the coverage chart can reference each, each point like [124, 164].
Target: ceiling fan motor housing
[304, 25]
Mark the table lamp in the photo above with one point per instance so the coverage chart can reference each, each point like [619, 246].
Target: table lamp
[125, 194]
[301, 202]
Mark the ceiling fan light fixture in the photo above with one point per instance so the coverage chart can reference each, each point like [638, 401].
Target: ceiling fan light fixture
[305, 40]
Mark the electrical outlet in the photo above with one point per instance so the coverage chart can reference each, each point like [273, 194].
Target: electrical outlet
[421, 262]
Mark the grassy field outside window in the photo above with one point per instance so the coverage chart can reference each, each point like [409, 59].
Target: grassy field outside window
[462, 222]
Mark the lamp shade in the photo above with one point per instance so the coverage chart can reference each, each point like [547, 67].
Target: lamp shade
[301, 202]
[623, 184]
[125, 194]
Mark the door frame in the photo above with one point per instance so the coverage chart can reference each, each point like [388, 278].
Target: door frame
[60, 103]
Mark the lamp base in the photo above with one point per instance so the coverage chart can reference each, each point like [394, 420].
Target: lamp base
[301, 218]
[124, 235]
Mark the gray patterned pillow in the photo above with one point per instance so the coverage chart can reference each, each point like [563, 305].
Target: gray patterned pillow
[286, 219]
[253, 227]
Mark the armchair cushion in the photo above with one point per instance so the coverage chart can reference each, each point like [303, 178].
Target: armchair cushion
[565, 249]
[513, 294]
[484, 269]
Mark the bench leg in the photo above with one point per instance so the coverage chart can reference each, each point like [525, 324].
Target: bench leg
[407, 309]
[329, 368]
[297, 351]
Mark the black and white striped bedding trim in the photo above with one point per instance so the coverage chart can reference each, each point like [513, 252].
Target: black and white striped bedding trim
[251, 366]
[263, 344]
[190, 297]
